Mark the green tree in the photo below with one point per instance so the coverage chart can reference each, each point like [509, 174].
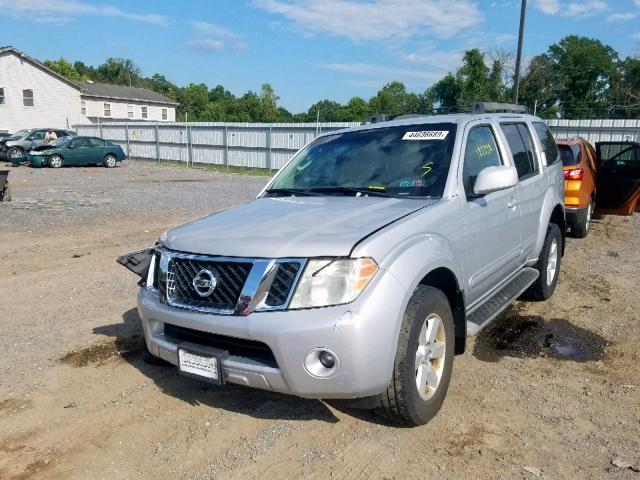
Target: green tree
[393, 99]
[328, 111]
[585, 68]
[63, 67]
[194, 100]
[356, 110]
[119, 71]
[539, 87]
[269, 104]
[446, 93]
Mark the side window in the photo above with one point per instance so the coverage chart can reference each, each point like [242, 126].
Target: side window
[60, 133]
[519, 141]
[481, 151]
[548, 142]
[1, 95]
[96, 142]
[80, 142]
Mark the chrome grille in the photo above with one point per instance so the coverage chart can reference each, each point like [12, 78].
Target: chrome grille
[282, 283]
[231, 277]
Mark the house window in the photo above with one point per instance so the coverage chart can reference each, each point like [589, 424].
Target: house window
[107, 109]
[83, 107]
[1, 96]
[27, 98]
[144, 112]
[130, 111]
[164, 113]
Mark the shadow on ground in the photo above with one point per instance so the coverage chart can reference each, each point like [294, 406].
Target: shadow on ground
[128, 343]
[518, 335]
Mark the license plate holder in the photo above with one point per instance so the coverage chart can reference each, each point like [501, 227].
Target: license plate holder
[201, 362]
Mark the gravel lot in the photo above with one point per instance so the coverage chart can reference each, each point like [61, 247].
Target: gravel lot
[551, 391]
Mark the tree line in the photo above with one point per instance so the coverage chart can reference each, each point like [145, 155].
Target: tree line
[578, 77]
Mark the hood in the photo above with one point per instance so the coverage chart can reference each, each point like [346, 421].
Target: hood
[278, 227]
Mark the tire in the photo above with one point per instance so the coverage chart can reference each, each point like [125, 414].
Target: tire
[54, 161]
[580, 229]
[404, 403]
[548, 266]
[14, 153]
[109, 161]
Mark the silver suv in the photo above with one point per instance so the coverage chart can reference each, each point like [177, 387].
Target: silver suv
[366, 262]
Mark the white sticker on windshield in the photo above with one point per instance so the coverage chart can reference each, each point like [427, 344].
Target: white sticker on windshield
[426, 135]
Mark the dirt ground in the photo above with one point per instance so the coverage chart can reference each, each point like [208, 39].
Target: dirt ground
[551, 391]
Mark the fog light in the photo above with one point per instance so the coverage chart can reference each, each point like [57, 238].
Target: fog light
[326, 359]
[321, 362]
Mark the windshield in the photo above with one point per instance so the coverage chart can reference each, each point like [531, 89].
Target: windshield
[18, 134]
[570, 155]
[409, 160]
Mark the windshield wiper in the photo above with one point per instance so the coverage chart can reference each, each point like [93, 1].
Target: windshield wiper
[351, 190]
[290, 191]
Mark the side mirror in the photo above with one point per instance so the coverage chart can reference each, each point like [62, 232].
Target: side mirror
[493, 179]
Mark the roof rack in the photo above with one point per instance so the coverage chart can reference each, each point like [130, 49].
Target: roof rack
[484, 107]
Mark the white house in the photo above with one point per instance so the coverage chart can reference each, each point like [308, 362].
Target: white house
[32, 95]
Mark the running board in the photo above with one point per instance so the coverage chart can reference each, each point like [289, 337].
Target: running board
[500, 300]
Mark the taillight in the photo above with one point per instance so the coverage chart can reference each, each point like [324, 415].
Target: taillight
[575, 174]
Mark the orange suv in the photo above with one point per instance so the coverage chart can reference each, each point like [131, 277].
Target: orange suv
[579, 161]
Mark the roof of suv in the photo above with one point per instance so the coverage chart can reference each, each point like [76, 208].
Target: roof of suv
[458, 118]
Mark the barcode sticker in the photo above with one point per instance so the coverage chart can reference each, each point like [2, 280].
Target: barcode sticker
[426, 135]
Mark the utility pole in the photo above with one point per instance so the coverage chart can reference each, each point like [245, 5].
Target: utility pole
[516, 77]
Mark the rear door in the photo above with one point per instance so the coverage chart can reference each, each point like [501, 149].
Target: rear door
[618, 177]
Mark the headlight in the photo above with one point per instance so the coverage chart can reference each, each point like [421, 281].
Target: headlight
[332, 282]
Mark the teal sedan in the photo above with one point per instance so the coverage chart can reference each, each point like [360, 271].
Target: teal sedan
[69, 151]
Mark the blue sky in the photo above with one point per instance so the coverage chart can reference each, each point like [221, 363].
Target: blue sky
[307, 49]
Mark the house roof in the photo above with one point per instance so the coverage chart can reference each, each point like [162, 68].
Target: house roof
[107, 90]
[102, 90]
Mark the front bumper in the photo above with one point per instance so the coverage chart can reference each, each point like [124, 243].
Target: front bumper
[363, 335]
[35, 160]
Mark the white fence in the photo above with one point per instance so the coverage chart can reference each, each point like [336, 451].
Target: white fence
[262, 145]
[256, 145]
[597, 130]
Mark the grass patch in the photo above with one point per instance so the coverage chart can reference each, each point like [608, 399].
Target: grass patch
[257, 172]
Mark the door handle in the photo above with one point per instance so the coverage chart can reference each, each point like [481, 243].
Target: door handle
[512, 203]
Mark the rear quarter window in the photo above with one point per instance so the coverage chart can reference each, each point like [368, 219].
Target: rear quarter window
[549, 146]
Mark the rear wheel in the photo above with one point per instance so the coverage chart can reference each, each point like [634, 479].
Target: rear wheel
[580, 229]
[548, 266]
[423, 362]
[109, 161]
[55, 161]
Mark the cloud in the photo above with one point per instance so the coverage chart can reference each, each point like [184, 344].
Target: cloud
[550, 7]
[635, 36]
[375, 76]
[441, 60]
[362, 21]
[581, 9]
[210, 37]
[621, 17]
[587, 8]
[58, 12]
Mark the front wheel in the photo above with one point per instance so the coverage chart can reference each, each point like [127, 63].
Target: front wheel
[109, 161]
[15, 153]
[55, 161]
[548, 266]
[423, 362]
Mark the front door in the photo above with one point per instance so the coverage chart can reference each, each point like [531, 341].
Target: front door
[492, 233]
[618, 177]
